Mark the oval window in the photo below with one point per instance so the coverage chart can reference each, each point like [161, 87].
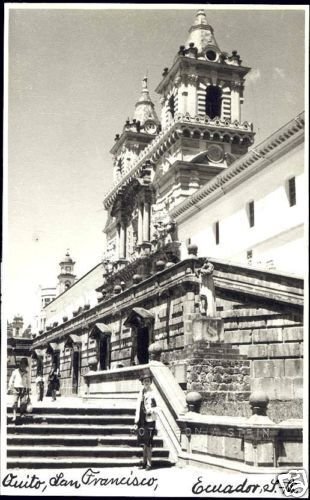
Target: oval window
[211, 55]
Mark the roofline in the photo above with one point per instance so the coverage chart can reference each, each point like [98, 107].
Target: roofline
[256, 157]
[75, 283]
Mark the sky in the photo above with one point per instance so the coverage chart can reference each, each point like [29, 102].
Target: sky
[73, 78]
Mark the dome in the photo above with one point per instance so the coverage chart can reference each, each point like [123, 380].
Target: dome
[67, 259]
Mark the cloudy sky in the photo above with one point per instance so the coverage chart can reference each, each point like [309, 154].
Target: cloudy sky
[74, 76]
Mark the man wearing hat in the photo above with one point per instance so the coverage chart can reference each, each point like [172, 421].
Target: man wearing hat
[145, 419]
[19, 385]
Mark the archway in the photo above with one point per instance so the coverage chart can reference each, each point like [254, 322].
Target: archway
[53, 351]
[213, 101]
[141, 321]
[102, 334]
[74, 344]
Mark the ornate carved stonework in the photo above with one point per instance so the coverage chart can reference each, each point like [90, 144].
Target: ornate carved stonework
[193, 79]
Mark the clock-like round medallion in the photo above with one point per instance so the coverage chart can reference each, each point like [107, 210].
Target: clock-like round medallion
[215, 153]
[150, 127]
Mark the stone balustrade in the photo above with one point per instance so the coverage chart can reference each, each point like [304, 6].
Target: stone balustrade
[253, 444]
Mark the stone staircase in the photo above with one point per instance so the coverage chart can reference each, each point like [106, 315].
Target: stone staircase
[80, 436]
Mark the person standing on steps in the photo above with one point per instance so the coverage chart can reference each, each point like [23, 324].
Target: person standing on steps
[19, 385]
[53, 382]
[145, 418]
[40, 386]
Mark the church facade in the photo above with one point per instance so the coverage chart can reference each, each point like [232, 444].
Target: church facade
[190, 186]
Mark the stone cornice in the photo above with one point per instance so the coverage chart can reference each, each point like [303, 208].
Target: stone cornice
[257, 158]
[166, 138]
[185, 62]
[129, 135]
[267, 285]
[130, 297]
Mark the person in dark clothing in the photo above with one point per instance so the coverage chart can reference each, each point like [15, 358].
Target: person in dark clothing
[53, 382]
[145, 418]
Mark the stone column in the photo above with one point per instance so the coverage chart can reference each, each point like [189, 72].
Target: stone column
[146, 222]
[118, 232]
[163, 112]
[182, 98]
[235, 102]
[122, 241]
[140, 223]
[192, 95]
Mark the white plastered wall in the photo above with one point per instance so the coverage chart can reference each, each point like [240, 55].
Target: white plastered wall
[276, 239]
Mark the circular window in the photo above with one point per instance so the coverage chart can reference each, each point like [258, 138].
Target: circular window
[211, 55]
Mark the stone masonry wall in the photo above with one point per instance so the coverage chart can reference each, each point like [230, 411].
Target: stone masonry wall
[273, 341]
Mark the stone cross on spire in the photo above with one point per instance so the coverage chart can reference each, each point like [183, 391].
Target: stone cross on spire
[144, 83]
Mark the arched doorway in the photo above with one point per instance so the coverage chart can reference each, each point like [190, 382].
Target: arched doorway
[141, 322]
[37, 356]
[73, 343]
[54, 354]
[101, 333]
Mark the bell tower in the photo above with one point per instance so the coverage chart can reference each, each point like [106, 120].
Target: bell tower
[207, 84]
[136, 134]
[129, 212]
[66, 278]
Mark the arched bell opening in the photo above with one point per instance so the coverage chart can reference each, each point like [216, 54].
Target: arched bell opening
[141, 322]
[213, 102]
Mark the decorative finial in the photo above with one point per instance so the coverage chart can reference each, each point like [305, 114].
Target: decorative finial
[144, 83]
[201, 17]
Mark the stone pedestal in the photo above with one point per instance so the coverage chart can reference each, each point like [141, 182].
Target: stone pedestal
[206, 328]
[215, 369]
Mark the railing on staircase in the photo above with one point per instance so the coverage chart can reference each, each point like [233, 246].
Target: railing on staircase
[254, 444]
[169, 396]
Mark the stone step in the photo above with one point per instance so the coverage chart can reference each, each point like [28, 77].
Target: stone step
[78, 440]
[89, 429]
[99, 411]
[84, 451]
[78, 419]
[81, 462]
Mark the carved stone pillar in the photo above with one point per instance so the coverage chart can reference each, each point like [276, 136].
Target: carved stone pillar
[235, 102]
[192, 95]
[146, 222]
[122, 240]
[140, 223]
[118, 232]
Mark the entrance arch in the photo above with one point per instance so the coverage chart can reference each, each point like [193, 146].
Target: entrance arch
[54, 352]
[73, 343]
[142, 323]
[37, 355]
[102, 334]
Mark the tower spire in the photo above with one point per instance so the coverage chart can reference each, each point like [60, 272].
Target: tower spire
[201, 33]
[144, 109]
